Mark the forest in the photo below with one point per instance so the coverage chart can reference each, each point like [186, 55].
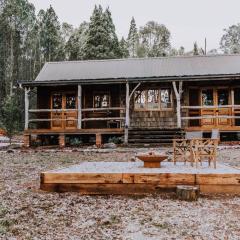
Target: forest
[28, 39]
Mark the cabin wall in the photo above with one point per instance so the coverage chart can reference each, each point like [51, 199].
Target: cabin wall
[194, 90]
[156, 118]
[114, 92]
[44, 102]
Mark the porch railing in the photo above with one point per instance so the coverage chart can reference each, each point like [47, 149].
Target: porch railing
[76, 111]
[232, 111]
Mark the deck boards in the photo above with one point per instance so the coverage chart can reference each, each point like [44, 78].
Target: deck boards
[133, 178]
[75, 131]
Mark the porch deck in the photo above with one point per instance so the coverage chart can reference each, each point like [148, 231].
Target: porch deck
[209, 128]
[133, 178]
[75, 131]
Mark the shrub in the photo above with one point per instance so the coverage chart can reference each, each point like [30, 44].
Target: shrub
[10, 116]
[116, 140]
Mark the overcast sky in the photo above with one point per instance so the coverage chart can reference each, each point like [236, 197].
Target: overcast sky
[188, 20]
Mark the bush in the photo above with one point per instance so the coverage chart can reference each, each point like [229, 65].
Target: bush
[75, 141]
[116, 140]
[10, 116]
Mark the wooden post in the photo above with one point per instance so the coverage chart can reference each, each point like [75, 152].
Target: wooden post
[79, 124]
[127, 115]
[61, 140]
[127, 118]
[178, 94]
[232, 109]
[26, 140]
[26, 108]
[98, 139]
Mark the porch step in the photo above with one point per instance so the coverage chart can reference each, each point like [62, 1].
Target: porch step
[154, 135]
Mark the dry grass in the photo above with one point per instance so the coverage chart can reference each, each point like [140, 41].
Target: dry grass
[28, 213]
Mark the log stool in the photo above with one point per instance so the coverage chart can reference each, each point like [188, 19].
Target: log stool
[188, 193]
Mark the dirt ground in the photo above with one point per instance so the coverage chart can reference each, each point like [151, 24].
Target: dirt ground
[28, 213]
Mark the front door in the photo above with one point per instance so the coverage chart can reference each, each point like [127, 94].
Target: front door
[64, 114]
[207, 100]
[57, 113]
[211, 99]
[70, 114]
[222, 99]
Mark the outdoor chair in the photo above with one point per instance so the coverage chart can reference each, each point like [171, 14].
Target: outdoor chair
[205, 148]
[182, 147]
[195, 148]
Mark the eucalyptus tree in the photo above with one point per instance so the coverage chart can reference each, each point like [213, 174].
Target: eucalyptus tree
[74, 48]
[16, 20]
[154, 39]
[230, 41]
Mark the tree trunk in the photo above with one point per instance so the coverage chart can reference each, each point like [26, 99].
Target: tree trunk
[79, 104]
[178, 94]
[127, 115]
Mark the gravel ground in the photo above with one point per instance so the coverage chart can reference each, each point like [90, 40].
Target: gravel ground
[28, 213]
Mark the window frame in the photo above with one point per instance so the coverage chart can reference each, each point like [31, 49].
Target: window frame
[160, 108]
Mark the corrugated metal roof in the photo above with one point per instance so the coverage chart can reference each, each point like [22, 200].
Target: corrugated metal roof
[140, 68]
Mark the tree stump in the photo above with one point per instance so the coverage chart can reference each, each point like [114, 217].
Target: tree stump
[187, 193]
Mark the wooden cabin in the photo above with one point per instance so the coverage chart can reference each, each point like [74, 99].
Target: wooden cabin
[144, 100]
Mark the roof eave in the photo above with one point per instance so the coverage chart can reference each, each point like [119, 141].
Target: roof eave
[124, 80]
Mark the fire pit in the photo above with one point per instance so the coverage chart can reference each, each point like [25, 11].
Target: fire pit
[152, 159]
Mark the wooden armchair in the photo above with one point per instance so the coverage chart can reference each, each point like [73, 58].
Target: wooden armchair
[182, 150]
[196, 149]
[204, 148]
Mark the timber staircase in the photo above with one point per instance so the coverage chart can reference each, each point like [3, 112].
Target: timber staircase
[154, 136]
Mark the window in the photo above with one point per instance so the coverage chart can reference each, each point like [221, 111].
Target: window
[153, 99]
[101, 100]
[70, 101]
[237, 96]
[140, 99]
[165, 98]
[207, 97]
[223, 96]
[57, 101]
